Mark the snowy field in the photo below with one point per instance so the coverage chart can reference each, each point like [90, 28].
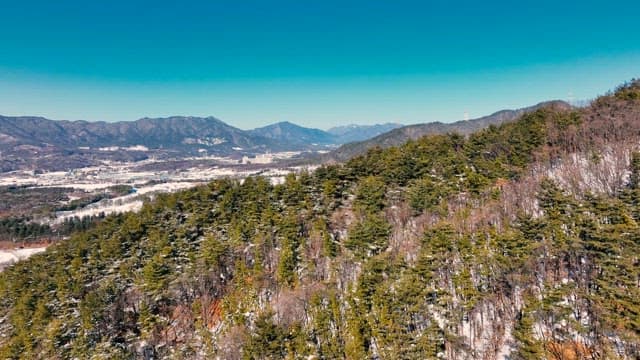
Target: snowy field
[94, 180]
[180, 181]
[8, 257]
[114, 173]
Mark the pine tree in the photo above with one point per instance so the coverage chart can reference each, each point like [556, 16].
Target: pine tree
[368, 237]
[529, 347]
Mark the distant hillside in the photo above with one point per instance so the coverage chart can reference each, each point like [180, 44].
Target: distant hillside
[401, 135]
[178, 133]
[31, 143]
[39, 143]
[350, 133]
[294, 135]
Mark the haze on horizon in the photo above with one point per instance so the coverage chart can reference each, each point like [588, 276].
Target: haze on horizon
[250, 63]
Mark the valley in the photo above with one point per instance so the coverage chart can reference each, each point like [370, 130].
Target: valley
[61, 176]
[519, 240]
[51, 198]
[290, 180]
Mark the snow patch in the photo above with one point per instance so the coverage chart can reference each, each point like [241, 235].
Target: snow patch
[8, 257]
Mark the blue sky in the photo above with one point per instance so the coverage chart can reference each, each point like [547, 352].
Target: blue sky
[315, 63]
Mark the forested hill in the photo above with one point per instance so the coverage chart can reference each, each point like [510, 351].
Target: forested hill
[400, 135]
[519, 240]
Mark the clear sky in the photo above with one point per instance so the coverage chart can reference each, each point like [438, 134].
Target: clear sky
[315, 63]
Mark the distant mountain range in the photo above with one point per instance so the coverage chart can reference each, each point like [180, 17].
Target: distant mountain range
[294, 136]
[34, 142]
[302, 137]
[350, 133]
[401, 135]
[39, 143]
[177, 133]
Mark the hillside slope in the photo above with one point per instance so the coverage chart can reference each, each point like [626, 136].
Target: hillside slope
[520, 240]
[401, 135]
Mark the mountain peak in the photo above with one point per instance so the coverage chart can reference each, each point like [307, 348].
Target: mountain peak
[353, 132]
[290, 133]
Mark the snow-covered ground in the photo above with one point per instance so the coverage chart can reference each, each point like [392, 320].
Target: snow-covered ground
[130, 202]
[114, 173]
[8, 257]
[98, 178]
[183, 180]
[146, 183]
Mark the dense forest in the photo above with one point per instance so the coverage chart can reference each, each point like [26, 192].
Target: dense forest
[23, 230]
[519, 240]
